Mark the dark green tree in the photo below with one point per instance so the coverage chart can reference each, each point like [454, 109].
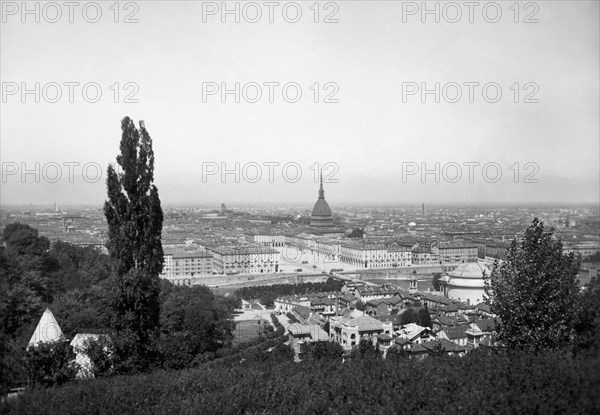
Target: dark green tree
[100, 351]
[356, 233]
[12, 367]
[438, 350]
[423, 317]
[408, 316]
[79, 310]
[366, 350]
[396, 354]
[322, 350]
[22, 239]
[135, 218]
[587, 325]
[51, 363]
[27, 259]
[534, 292]
[282, 352]
[435, 282]
[194, 321]
[78, 267]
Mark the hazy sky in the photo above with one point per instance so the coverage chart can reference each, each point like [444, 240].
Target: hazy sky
[376, 50]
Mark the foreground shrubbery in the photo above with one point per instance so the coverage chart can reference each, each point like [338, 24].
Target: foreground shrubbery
[51, 364]
[476, 383]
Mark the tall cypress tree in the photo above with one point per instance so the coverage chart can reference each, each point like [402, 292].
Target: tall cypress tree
[135, 218]
[534, 292]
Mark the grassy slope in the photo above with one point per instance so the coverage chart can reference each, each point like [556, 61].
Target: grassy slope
[247, 330]
[473, 384]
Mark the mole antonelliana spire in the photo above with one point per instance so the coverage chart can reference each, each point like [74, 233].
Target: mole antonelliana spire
[321, 191]
[321, 213]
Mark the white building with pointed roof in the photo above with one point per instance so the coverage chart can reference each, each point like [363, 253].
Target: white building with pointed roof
[46, 331]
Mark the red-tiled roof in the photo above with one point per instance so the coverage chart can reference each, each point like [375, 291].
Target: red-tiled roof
[449, 321]
[456, 332]
[302, 311]
[450, 308]
[387, 318]
[486, 324]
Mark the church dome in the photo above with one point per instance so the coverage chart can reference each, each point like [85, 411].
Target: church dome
[470, 270]
[321, 208]
[466, 283]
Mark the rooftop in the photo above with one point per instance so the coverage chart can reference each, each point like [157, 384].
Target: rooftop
[364, 323]
[315, 331]
[471, 270]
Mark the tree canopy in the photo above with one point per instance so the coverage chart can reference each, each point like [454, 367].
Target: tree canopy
[135, 217]
[534, 292]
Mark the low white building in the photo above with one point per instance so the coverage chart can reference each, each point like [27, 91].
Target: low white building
[286, 304]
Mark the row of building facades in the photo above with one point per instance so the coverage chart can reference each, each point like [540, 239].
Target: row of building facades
[257, 255]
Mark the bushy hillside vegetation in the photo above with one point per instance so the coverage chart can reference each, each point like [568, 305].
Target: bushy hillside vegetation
[270, 382]
[74, 282]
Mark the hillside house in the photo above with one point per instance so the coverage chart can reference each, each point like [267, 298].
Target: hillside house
[456, 334]
[416, 334]
[349, 331]
[481, 331]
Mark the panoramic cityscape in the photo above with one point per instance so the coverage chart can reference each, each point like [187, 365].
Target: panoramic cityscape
[219, 246]
[290, 207]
